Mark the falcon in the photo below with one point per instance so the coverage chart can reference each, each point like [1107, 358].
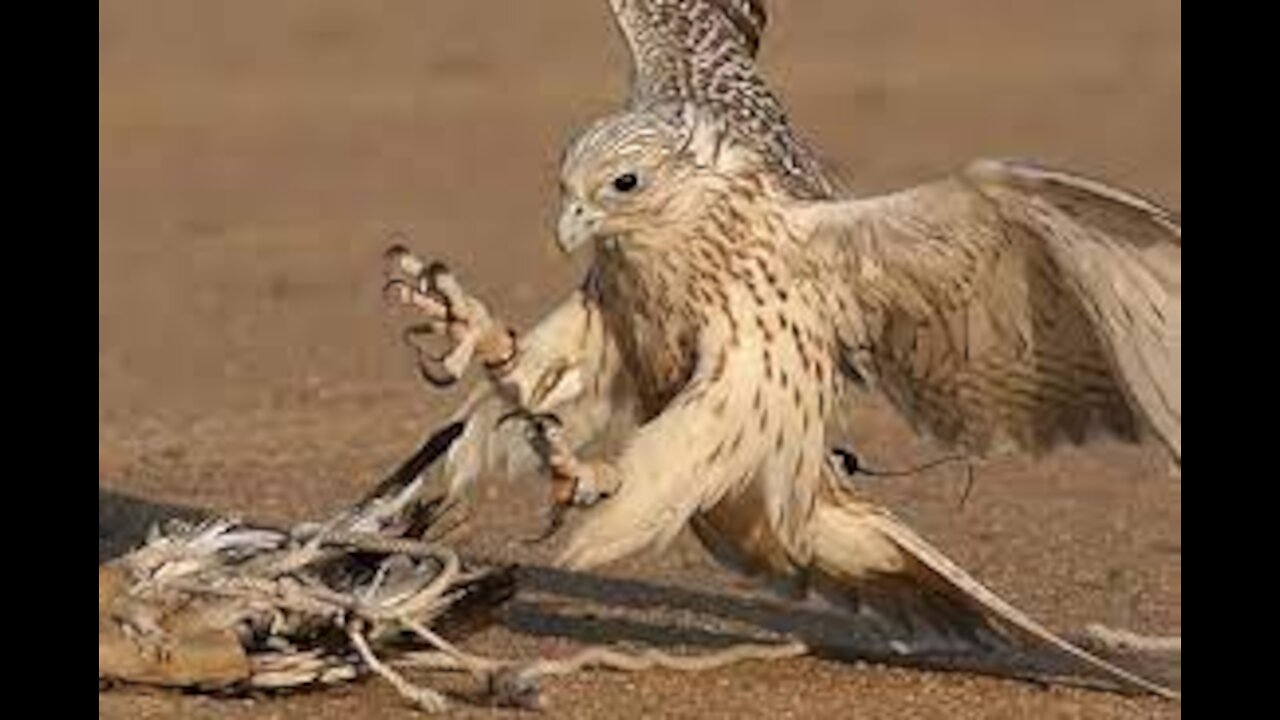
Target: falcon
[739, 298]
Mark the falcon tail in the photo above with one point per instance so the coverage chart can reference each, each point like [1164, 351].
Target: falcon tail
[866, 556]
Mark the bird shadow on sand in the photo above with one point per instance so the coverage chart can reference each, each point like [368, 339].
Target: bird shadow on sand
[591, 609]
[831, 632]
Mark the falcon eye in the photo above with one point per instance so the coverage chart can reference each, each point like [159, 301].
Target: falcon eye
[626, 183]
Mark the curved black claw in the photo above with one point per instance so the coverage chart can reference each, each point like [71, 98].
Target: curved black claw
[430, 365]
[516, 414]
[394, 284]
[435, 270]
[396, 251]
[434, 373]
[539, 421]
[555, 521]
[545, 420]
[410, 334]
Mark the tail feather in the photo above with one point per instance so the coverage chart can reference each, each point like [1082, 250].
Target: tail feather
[892, 570]
[921, 608]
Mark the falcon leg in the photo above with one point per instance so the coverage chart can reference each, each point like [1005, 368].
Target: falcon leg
[574, 482]
[681, 461]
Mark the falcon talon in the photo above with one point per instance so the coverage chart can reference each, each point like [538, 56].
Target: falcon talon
[399, 261]
[584, 496]
[512, 415]
[538, 424]
[555, 522]
[580, 484]
[396, 291]
[394, 253]
[435, 271]
[435, 373]
[547, 423]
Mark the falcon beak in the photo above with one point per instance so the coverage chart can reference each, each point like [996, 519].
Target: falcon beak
[578, 225]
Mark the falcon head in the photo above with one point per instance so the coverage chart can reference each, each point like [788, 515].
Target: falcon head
[634, 171]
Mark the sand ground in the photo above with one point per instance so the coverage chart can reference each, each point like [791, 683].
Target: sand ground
[254, 158]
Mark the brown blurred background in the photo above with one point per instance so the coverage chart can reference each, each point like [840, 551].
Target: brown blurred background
[255, 157]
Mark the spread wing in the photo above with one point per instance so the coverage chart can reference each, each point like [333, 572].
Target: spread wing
[703, 52]
[1010, 304]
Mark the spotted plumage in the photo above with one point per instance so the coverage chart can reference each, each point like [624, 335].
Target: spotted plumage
[737, 292]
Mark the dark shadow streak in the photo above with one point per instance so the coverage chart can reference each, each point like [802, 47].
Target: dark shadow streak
[832, 634]
[124, 520]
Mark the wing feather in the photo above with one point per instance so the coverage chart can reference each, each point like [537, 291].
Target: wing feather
[696, 50]
[703, 53]
[1010, 304]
